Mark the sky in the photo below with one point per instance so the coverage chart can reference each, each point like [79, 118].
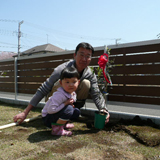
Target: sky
[66, 23]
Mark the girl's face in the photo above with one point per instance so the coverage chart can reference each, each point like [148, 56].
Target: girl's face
[69, 84]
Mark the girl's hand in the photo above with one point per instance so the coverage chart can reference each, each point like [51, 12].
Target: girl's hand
[69, 102]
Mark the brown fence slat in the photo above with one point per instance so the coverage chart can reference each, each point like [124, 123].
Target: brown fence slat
[94, 62]
[135, 90]
[143, 80]
[32, 79]
[6, 85]
[143, 91]
[35, 72]
[98, 52]
[4, 63]
[7, 73]
[3, 68]
[116, 90]
[143, 58]
[7, 79]
[27, 91]
[140, 58]
[144, 100]
[117, 79]
[40, 65]
[118, 70]
[143, 69]
[7, 90]
[28, 86]
[136, 69]
[117, 59]
[119, 98]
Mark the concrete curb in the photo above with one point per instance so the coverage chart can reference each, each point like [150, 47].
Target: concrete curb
[20, 102]
[124, 115]
[88, 111]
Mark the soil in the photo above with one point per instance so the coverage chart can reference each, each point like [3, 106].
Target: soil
[136, 128]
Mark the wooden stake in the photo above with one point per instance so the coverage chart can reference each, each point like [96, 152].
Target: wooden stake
[16, 123]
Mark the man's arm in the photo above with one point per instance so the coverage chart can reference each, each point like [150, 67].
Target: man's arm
[42, 91]
[98, 97]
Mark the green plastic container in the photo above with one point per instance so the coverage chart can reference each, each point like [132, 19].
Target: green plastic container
[99, 120]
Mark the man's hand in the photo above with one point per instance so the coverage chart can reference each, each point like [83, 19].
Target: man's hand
[107, 118]
[108, 115]
[19, 118]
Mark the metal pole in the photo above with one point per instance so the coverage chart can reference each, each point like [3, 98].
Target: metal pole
[15, 77]
[16, 62]
[19, 36]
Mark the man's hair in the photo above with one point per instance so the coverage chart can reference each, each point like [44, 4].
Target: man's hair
[84, 45]
[69, 72]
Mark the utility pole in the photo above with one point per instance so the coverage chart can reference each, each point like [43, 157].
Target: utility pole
[117, 41]
[19, 36]
[16, 61]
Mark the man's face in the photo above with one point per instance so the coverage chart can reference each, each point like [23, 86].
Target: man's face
[82, 58]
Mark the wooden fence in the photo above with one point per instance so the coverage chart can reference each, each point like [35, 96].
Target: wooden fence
[135, 75]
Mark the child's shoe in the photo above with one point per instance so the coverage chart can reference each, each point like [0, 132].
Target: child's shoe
[59, 131]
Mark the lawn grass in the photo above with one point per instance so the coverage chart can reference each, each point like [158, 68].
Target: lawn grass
[33, 141]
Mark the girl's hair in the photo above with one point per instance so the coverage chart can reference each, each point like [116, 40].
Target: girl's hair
[69, 72]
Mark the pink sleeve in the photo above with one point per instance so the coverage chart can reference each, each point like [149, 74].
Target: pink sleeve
[56, 103]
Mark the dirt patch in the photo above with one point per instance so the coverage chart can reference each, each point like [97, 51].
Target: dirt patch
[144, 134]
[144, 131]
[67, 147]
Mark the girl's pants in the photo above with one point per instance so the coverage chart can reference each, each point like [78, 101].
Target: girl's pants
[67, 113]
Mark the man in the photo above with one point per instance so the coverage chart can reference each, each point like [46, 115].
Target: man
[88, 83]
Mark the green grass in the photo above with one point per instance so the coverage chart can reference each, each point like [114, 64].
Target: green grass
[33, 141]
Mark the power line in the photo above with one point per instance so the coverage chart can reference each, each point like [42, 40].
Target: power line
[8, 20]
[61, 33]
[67, 34]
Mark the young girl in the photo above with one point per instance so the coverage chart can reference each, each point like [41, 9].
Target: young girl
[59, 109]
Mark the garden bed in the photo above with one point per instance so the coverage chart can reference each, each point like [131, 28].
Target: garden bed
[133, 139]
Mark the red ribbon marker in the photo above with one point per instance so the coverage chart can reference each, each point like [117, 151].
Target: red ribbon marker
[102, 61]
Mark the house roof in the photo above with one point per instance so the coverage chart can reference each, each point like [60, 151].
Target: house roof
[41, 48]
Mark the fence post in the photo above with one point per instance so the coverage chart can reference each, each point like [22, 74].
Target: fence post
[15, 77]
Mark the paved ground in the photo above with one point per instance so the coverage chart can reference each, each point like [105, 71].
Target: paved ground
[117, 109]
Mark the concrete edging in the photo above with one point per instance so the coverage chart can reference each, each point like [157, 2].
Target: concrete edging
[90, 112]
[124, 115]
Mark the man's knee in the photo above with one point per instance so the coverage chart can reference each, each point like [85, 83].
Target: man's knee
[83, 89]
[86, 84]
